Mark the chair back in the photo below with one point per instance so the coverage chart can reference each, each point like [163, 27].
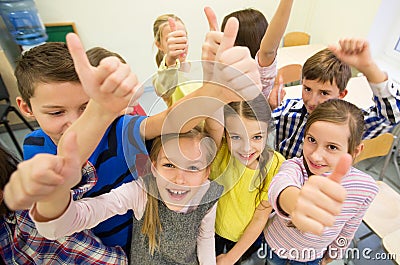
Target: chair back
[381, 145]
[290, 73]
[3, 91]
[296, 38]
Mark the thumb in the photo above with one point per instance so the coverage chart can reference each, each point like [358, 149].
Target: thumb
[78, 54]
[172, 24]
[341, 168]
[229, 37]
[211, 18]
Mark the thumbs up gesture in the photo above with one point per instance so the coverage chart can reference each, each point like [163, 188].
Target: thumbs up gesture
[321, 199]
[228, 65]
[177, 44]
[111, 85]
[42, 176]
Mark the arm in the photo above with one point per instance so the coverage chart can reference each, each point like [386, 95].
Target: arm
[111, 86]
[272, 38]
[250, 234]
[167, 75]
[89, 212]
[356, 53]
[318, 202]
[206, 240]
[235, 78]
[214, 126]
[45, 177]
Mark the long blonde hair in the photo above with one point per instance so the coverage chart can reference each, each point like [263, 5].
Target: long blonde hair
[158, 26]
[152, 223]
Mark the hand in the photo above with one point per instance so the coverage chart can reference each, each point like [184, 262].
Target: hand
[277, 94]
[177, 44]
[112, 85]
[38, 178]
[211, 44]
[223, 259]
[321, 199]
[354, 52]
[235, 68]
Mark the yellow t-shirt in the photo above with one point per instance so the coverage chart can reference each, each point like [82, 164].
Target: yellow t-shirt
[237, 204]
[172, 83]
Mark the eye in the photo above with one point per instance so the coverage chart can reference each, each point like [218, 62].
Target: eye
[257, 137]
[193, 168]
[169, 165]
[235, 137]
[56, 113]
[332, 147]
[82, 108]
[307, 89]
[311, 139]
[324, 93]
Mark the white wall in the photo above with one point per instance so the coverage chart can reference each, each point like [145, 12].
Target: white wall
[125, 26]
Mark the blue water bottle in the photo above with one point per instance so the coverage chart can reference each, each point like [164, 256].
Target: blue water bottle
[23, 22]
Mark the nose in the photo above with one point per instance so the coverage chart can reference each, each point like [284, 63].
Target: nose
[246, 146]
[317, 154]
[314, 100]
[179, 177]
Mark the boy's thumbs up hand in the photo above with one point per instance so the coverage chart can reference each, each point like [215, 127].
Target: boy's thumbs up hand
[41, 177]
[112, 85]
[320, 199]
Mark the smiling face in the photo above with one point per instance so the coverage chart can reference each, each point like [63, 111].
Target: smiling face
[315, 93]
[180, 170]
[55, 106]
[246, 139]
[324, 144]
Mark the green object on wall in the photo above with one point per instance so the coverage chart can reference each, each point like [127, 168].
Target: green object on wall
[58, 31]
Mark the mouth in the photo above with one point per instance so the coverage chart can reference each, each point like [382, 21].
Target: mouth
[315, 166]
[246, 157]
[177, 195]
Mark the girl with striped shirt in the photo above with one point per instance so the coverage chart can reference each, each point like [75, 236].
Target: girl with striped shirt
[319, 199]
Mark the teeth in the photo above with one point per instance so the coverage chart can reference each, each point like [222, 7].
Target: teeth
[178, 192]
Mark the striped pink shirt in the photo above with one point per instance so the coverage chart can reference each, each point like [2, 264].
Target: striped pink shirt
[288, 242]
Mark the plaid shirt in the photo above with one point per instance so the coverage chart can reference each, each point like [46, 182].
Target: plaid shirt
[27, 246]
[291, 117]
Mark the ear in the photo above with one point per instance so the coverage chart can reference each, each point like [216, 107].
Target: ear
[358, 150]
[24, 108]
[343, 93]
[158, 44]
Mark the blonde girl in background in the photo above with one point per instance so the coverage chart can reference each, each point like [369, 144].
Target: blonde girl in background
[170, 37]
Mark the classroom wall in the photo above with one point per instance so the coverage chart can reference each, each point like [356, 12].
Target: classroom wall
[125, 26]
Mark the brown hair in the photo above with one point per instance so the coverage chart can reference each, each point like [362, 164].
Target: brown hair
[257, 109]
[252, 27]
[46, 63]
[340, 112]
[324, 66]
[8, 164]
[158, 27]
[152, 224]
[96, 54]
